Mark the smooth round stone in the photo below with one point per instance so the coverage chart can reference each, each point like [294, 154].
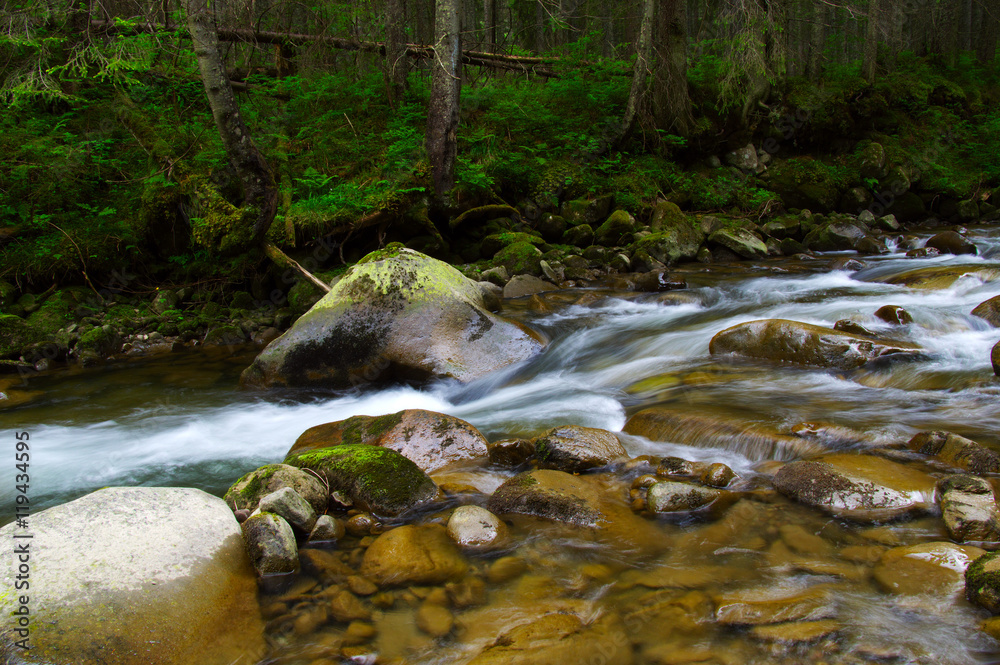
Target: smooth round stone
[668, 497]
[435, 620]
[287, 503]
[413, 555]
[717, 475]
[327, 529]
[475, 528]
[271, 544]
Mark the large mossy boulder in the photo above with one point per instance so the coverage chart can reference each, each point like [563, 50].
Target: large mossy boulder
[678, 242]
[780, 340]
[15, 334]
[616, 229]
[431, 440]
[376, 479]
[135, 576]
[858, 487]
[397, 314]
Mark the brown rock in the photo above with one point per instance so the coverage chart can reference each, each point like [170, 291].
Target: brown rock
[949, 242]
[431, 440]
[435, 620]
[413, 555]
[767, 606]
[928, 568]
[957, 451]
[893, 314]
[989, 310]
[576, 449]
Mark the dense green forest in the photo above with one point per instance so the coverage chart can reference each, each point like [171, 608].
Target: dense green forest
[371, 122]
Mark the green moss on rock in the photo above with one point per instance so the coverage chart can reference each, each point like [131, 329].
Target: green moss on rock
[378, 479]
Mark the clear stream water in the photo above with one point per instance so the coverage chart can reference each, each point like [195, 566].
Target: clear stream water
[181, 420]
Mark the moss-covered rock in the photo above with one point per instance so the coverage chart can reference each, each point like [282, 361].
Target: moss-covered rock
[431, 440]
[581, 235]
[408, 316]
[55, 313]
[957, 451]
[586, 211]
[520, 258]
[225, 336]
[982, 582]
[494, 242]
[616, 230]
[97, 344]
[247, 492]
[377, 479]
[806, 344]
[15, 334]
[802, 182]
[270, 543]
[742, 242]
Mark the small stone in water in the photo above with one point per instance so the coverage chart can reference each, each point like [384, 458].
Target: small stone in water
[359, 632]
[674, 466]
[666, 496]
[893, 314]
[435, 620]
[505, 569]
[361, 524]
[327, 529]
[475, 528]
[361, 586]
[717, 475]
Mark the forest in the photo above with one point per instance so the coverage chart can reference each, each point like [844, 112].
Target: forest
[361, 124]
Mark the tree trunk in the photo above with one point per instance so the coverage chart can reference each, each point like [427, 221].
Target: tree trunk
[490, 25]
[446, 86]
[817, 41]
[671, 102]
[640, 72]
[986, 49]
[395, 50]
[259, 191]
[869, 65]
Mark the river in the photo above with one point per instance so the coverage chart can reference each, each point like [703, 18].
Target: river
[181, 420]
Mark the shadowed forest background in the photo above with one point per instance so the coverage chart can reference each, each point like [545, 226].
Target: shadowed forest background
[110, 163]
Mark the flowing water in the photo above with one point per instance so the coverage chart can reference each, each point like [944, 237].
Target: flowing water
[180, 420]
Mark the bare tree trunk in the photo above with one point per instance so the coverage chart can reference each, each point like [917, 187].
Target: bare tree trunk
[539, 26]
[395, 50]
[490, 25]
[817, 41]
[446, 86]
[870, 63]
[640, 73]
[671, 102]
[259, 192]
[986, 49]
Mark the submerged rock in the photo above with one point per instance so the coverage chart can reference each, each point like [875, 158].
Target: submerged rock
[395, 314]
[957, 450]
[413, 555]
[431, 440]
[806, 344]
[707, 429]
[122, 569]
[927, 568]
[760, 606]
[377, 479]
[591, 502]
[858, 487]
[575, 449]
[995, 358]
[982, 582]
[969, 508]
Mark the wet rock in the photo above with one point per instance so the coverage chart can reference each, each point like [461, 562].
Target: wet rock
[758, 606]
[248, 490]
[742, 242]
[982, 582]
[477, 529]
[893, 314]
[796, 632]
[325, 566]
[669, 497]
[431, 440]
[969, 508]
[929, 568]
[396, 313]
[943, 277]
[995, 358]
[949, 242]
[717, 475]
[957, 450]
[287, 504]
[560, 637]
[675, 466]
[678, 240]
[576, 449]
[806, 344]
[847, 264]
[270, 543]
[853, 327]
[127, 567]
[658, 281]
[592, 502]
[922, 253]
[377, 479]
[344, 606]
[783, 227]
[511, 453]
[326, 530]
[989, 311]
[435, 620]
[887, 223]
[836, 235]
[526, 285]
[858, 487]
[710, 429]
[413, 555]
